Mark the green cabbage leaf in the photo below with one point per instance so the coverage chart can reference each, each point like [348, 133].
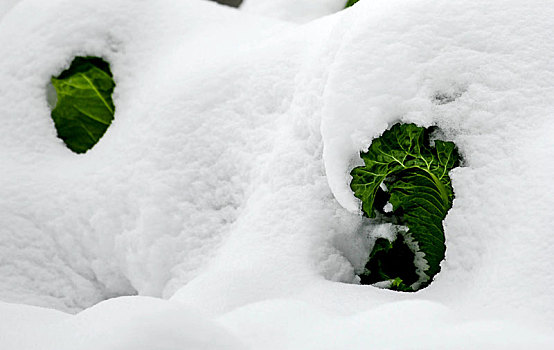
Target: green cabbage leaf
[405, 181]
[84, 108]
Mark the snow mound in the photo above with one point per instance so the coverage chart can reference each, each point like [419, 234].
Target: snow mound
[138, 323]
[6, 5]
[296, 11]
[223, 182]
[80, 229]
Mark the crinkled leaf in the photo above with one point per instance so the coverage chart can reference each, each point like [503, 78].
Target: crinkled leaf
[418, 187]
[85, 108]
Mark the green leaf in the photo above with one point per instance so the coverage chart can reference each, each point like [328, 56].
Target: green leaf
[85, 108]
[418, 187]
[350, 3]
[391, 261]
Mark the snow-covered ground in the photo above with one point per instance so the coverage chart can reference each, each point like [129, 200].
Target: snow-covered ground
[296, 11]
[220, 193]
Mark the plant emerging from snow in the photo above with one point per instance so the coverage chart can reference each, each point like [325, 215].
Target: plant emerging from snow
[405, 182]
[85, 108]
[350, 3]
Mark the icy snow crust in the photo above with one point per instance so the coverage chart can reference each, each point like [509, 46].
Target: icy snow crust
[222, 184]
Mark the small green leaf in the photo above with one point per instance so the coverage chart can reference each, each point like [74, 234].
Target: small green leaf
[419, 190]
[85, 108]
[350, 3]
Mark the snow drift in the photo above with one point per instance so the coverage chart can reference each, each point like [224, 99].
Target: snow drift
[222, 183]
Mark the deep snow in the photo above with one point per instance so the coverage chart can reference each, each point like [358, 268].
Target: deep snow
[222, 184]
[296, 11]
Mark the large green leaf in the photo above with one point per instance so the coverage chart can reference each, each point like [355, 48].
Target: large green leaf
[415, 176]
[85, 108]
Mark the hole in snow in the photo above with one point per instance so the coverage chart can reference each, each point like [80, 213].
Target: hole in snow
[406, 193]
[83, 106]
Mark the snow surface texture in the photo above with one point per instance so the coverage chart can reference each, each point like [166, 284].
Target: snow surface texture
[297, 11]
[6, 5]
[222, 184]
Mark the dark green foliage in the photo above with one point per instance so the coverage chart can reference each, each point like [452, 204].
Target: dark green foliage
[350, 3]
[418, 187]
[84, 109]
[391, 261]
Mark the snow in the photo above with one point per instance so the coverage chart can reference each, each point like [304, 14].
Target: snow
[297, 11]
[220, 193]
[6, 5]
[140, 323]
